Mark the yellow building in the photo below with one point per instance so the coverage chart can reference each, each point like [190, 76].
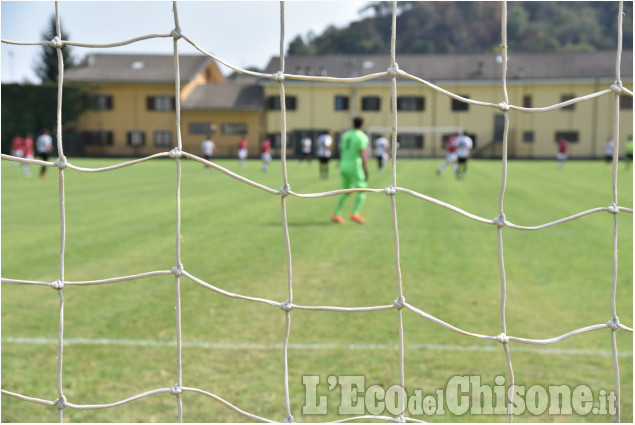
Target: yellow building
[131, 100]
[132, 103]
[233, 110]
[427, 116]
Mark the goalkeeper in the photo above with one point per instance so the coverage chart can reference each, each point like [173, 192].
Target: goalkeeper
[353, 169]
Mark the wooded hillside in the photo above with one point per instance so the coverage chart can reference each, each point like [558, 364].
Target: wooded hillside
[475, 27]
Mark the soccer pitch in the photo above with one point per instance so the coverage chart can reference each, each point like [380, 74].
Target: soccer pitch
[121, 336]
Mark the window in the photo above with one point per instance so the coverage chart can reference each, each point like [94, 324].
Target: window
[458, 105]
[411, 141]
[341, 103]
[626, 102]
[290, 102]
[566, 97]
[100, 102]
[136, 138]
[528, 137]
[570, 136]
[527, 101]
[201, 128]
[411, 103]
[161, 103]
[233, 128]
[276, 140]
[273, 103]
[162, 138]
[499, 127]
[371, 103]
[97, 137]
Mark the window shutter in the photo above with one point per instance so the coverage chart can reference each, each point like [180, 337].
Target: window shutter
[291, 103]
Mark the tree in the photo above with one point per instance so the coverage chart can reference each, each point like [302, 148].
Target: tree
[297, 47]
[384, 8]
[471, 27]
[47, 68]
[29, 108]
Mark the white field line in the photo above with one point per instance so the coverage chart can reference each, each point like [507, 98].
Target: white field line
[317, 346]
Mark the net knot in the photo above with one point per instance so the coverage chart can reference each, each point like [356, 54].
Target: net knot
[58, 284]
[176, 390]
[502, 338]
[60, 402]
[617, 87]
[177, 270]
[286, 306]
[175, 153]
[289, 420]
[284, 190]
[400, 419]
[503, 106]
[390, 190]
[279, 76]
[500, 220]
[176, 33]
[61, 162]
[393, 70]
[56, 43]
[613, 209]
[400, 302]
[614, 323]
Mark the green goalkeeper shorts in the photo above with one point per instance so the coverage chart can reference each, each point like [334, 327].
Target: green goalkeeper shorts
[354, 179]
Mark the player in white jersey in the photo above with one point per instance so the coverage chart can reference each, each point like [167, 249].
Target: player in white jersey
[306, 147]
[323, 152]
[43, 147]
[463, 144]
[381, 151]
[208, 147]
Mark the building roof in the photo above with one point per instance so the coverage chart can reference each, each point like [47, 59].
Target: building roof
[241, 94]
[135, 68]
[485, 66]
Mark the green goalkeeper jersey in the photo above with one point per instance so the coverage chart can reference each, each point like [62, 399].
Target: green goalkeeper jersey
[353, 141]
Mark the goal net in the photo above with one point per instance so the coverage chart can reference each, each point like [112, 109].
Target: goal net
[398, 303]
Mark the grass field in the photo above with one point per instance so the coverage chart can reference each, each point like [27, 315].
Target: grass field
[123, 222]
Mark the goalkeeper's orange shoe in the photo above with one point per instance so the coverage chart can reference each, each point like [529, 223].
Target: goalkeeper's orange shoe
[358, 218]
[337, 219]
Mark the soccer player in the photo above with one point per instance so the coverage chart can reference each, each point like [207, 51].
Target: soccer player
[265, 154]
[563, 149]
[629, 151]
[208, 147]
[381, 148]
[242, 150]
[306, 146]
[44, 146]
[28, 154]
[463, 144]
[450, 157]
[608, 152]
[353, 169]
[17, 146]
[323, 152]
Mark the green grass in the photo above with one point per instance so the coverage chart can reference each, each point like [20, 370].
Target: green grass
[123, 222]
